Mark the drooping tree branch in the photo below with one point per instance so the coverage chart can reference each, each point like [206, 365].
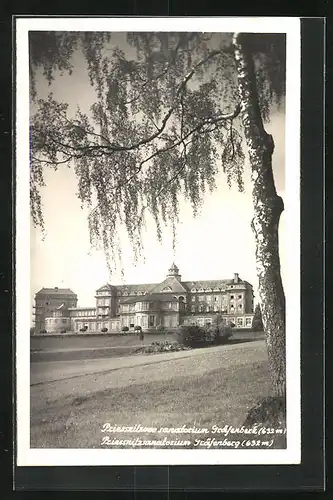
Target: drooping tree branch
[142, 149]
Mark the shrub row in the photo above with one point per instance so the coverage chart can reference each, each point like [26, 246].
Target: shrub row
[156, 347]
[196, 336]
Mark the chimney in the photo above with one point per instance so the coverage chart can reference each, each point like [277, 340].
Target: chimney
[236, 277]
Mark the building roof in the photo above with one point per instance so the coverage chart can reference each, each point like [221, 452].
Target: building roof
[174, 270]
[106, 288]
[210, 284]
[172, 284]
[130, 289]
[55, 291]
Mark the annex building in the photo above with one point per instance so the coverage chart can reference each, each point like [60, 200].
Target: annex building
[154, 305]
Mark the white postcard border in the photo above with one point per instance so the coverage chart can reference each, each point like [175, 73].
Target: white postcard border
[70, 457]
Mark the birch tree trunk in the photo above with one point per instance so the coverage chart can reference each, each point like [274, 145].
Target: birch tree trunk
[268, 207]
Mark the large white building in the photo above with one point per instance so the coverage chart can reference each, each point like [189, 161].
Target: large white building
[167, 304]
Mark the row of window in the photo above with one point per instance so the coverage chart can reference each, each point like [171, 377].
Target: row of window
[202, 308]
[62, 321]
[84, 313]
[214, 298]
[91, 326]
[239, 322]
[103, 302]
[248, 322]
[55, 302]
[143, 306]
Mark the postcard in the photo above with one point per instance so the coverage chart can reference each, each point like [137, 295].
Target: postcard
[157, 190]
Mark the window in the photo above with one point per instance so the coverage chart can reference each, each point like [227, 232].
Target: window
[216, 308]
[216, 298]
[248, 321]
[240, 322]
[151, 320]
[208, 298]
[64, 321]
[193, 309]
[239, 296]
[240, 306]
[231, 296]
[193, 298]
[201, 297]
[207, 309]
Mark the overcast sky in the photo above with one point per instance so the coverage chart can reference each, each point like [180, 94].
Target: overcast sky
[214, 245]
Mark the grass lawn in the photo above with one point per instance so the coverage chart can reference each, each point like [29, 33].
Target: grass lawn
[212, 388]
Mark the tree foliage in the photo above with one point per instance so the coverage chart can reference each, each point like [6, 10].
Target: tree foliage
[164, 121]
[257, 324]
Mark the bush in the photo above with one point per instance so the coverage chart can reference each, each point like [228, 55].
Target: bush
[104, 330]
[257, 325]
[221, 334]
[125, 329]
[43, 331]
[161, 328]
[84, 329]
[63, 331]
[138, 328]
[158, 347]
[194, 336]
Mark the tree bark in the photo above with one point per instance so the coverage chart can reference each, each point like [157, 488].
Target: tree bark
[268, 207]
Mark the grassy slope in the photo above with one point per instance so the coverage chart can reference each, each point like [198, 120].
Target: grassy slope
[214, 388]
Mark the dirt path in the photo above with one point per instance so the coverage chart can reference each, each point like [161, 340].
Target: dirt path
[51, 371]
[64, 380]
[201, 387]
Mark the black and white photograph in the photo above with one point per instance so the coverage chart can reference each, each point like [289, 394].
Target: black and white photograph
[158, 241]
